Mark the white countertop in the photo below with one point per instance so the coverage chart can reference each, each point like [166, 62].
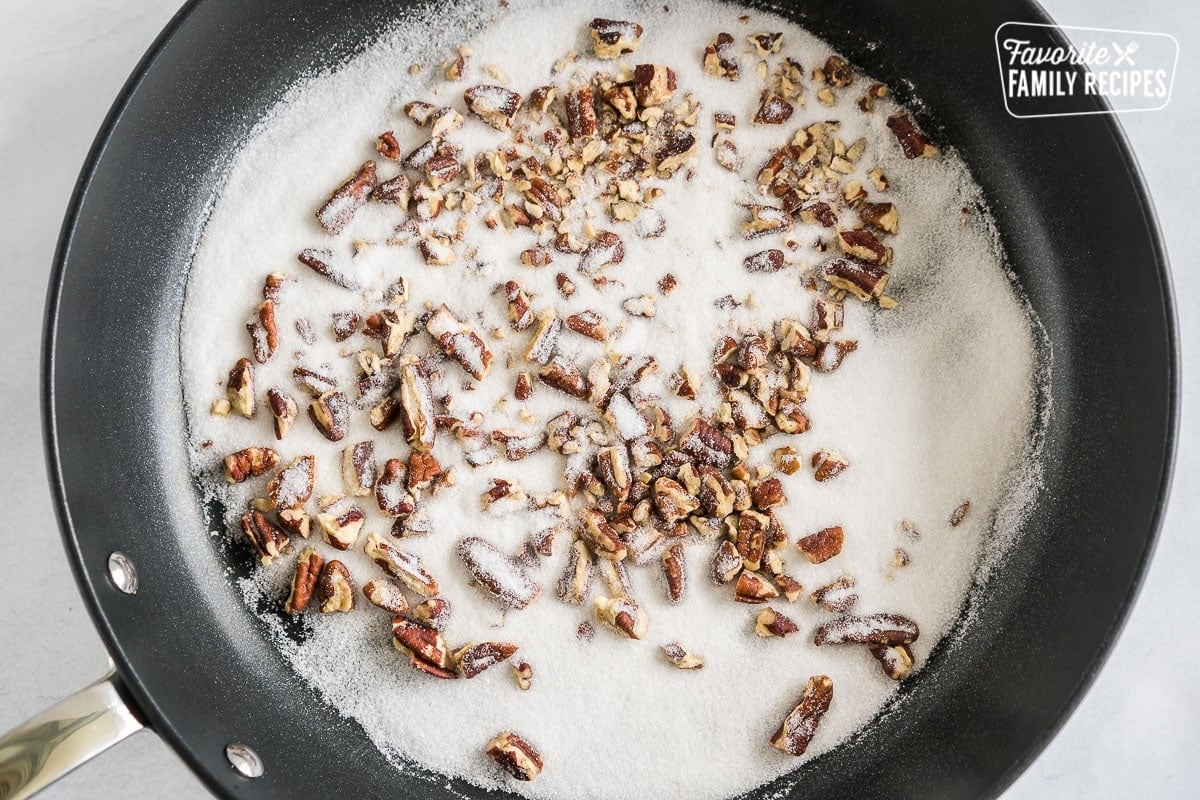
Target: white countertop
[1137, 732]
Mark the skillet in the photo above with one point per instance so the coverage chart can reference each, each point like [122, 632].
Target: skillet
[1079, 232]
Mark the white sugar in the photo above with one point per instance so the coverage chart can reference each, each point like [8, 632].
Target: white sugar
[935, 406]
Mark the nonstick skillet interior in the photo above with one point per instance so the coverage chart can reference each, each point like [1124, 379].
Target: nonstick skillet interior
[1078, 231]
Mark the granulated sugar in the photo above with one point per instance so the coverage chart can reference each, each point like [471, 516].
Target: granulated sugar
[935, 406]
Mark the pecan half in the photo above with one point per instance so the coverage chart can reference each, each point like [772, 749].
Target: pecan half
[499, 574]
[800, 725]
[472, 659]
[293, 485]
[267, 539]
[885, 629]
[341, 206]
[304, 582]
[386, 595]
[249, 463]
[401, 565]
[515, 756]
[335, 589]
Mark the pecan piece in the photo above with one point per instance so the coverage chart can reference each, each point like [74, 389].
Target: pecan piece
[622, 615]
[295, 520]
[751, 538]
[771, 623]
[391, 328]
[589, 324]
[460, 341]
[860, 279]
[828, 464]
[613, 38]
[386, 144]
[881, 216]
[605, 250]
[283, 411]
[720, 59]
[765, 221]
[674, 570]
[304, 582]
[341, 530]
[754, 589]
[432, 613]
[249, 463]
[764, 261]
[264, 333]
[335, 589]
[653, 84]
[423, 468]
[386, 595]
[790, 587]
[768, 494]
[239, 389]
[822, 545]
[502, 576]
[896, 660]
[520, 313]
[341, 206]
[706, 444]
[680, 657]
[576, 581]
[416, 408]
[672, 501]
[401, 565]
[313, 382]
[541, 347]
[495, 105]
[563, 375]
[773, 110]
[838, 596]
[800, 725]
[580, 105]
[914, 143]
[358, 468]
[391, 493]
[766, 44]
[394, 191]
[267, 539]
[293, 485]
[863, 245]
[524, 675]
[330, 414]
[472, 659]
[425, 647]
[959, 513]
[885, 629]
[837, 72]
[600, 537]
[515, 756]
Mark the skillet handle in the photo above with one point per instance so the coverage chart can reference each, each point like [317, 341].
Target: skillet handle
[64, 736]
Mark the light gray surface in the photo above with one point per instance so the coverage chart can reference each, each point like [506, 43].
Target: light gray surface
[1136, 733]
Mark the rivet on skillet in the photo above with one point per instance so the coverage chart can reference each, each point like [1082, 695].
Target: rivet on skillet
[244, 760]
[122, 572]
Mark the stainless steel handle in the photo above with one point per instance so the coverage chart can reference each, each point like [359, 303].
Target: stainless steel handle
[64, 736]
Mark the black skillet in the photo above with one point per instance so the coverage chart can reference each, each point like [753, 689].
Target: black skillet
[1078, 229]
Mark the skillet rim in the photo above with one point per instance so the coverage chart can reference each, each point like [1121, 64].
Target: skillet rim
[145, 706]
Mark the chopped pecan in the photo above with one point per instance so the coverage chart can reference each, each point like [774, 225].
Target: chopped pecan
[800, 725]
[604, 250]
[914, 143]
[386, 144]
[293, 485]
[432, 613]
[330, 414]
[341, 206]
[589, 324]
[726, 563]
[538, 257]
[404, 566]
[822, 545]
[674, 570]
[786, 460]
[520, 313]
[622, 615]
[706, 444]
[358, 468]
[828, 464]
[304, 582]
[720, 59]
[773, 110]
[515, 756]
[613, 38]
[392, 328]
[838, 596]
[753, 588]
[653, 84]
[576, 581]
[416, 408]
[386, 595]
[580, 105]
[473, 659]
[751, 538]
[335, 589]
[502, 576]
[313, 382]
[672, 500]
[790, 587]
[391, 491]
[771, 623]
[885, 629]
[239, 389]
[766, 44]
[959, 513]
[460, 341]
[249, 463]
[264, 333]
[768, 494]
[541, 347]
[495, 105]
[896, 660]
[394, 191]
[341, 530]
[563, 375]
[864, 246]
[518, 446]
[268, 540]
[676, 148]
[881, 216]
[680, 657]
[295, 520]
[524, 674]
[764, 261]
[600, 537]
[425, 647]
[837, 72]
[861, 279]
[766, 221]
